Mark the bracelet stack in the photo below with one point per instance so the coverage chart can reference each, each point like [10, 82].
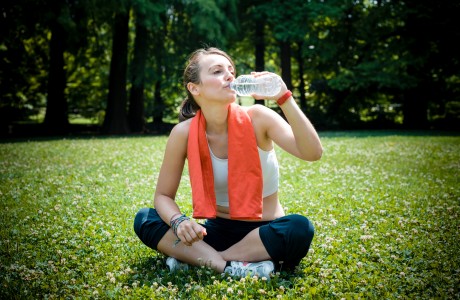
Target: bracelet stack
[176, 222]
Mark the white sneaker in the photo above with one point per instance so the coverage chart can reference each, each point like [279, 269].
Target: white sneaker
[174, 265]
[243, 269]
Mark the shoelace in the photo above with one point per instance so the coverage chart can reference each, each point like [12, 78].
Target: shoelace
[242, 271]
[238, 271]
[178, 266]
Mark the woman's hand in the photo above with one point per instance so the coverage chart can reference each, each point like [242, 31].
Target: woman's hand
[296, 134]
[275, 97]
[190, 232]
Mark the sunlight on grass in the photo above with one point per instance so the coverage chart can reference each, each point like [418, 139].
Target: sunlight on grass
[385, 208]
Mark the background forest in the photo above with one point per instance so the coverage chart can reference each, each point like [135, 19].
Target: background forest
[115, 66]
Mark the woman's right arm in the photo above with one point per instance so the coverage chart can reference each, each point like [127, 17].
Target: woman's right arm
[171, 172]
[188, 231]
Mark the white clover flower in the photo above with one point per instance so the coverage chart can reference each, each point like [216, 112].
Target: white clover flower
[366, 237]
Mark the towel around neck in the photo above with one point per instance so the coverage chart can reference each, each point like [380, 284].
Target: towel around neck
[245, 182]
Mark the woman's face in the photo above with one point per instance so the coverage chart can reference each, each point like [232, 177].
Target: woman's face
[216, 73]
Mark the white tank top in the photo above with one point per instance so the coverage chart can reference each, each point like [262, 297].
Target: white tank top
[270, 174]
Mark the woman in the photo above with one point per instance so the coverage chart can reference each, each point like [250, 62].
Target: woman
[250, 240]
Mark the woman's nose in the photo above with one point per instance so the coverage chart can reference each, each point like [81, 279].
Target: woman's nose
[230, 76]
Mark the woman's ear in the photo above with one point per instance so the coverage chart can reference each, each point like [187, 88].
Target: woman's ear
[193, 88]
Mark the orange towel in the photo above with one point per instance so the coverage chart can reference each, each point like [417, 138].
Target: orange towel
[245, 180]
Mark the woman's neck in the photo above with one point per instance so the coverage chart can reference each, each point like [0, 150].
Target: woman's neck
[216, 119]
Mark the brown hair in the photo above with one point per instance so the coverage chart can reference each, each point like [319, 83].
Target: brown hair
[189, 107]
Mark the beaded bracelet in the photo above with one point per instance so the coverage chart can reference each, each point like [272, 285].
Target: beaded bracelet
[176, 222]
[173, 216]
[284, 98]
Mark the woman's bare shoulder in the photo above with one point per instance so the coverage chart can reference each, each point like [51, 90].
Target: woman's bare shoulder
[176, 146]
[181, 129]
[258, 111]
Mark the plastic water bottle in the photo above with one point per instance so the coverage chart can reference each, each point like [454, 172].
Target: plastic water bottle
[265, 85]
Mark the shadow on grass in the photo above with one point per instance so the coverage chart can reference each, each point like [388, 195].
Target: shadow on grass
[383, 133]
[322, 134]
[38, 132]
[154, 272]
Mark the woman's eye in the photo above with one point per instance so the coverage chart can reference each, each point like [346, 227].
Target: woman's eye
[217, 71]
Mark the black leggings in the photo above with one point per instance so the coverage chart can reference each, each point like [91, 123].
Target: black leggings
[286, 239]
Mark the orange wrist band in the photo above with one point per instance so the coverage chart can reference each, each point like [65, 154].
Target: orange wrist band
[284, 98]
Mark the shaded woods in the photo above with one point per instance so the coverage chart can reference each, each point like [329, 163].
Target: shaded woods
[115, 67]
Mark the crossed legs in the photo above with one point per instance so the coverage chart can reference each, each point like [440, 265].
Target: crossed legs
[285, 240]
[250, 248]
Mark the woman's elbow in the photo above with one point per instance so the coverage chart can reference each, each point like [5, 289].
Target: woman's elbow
[319, 153]
[314, 155]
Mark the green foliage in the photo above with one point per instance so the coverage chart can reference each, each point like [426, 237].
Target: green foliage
[384, 205]
[23, 63]
[354, 53]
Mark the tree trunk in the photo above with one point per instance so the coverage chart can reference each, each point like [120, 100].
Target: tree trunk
[56, 117]
[158, 106]
[158, 103]
[136, 99]
[115, 121]
[259, 42]
[285, 49]
[415, 108]
[302, 99]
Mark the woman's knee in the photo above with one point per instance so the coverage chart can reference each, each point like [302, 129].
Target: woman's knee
[288, 239]
[149, 227]
[139, 220]
[301, 229]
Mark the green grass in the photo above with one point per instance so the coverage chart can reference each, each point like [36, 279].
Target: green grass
[385, 207]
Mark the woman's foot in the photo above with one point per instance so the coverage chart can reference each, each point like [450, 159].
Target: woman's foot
[243, 269]
[174, 265]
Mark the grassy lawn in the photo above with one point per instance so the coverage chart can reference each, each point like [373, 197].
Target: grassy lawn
[385, 206]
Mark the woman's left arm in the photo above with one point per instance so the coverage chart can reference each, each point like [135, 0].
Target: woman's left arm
[304, 134]
[296, 136]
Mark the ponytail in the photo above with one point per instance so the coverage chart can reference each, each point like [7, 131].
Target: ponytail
[188, 109]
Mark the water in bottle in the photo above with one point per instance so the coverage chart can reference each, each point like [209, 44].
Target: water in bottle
[265, 85]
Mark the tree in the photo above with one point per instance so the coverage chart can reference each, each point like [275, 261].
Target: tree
[290, 36]
[67, 23]
[433, 58]
[253, 29]
[301, 69]
[136, 99]
[23, 63]
[185, 27]
[115, 121]
[356, 64]
[56, 117]
[159, 103]
[380, 61]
